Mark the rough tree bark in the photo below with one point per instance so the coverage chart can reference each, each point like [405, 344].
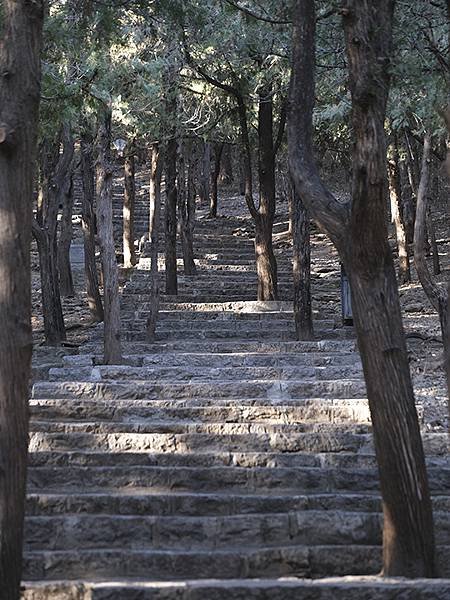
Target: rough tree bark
[154, 231]
[129, 256]
[112, 343]
[213, 199]
[395, 187]
[408, 208]
[20, 49]
[359, 232]
[205, 175]
[66, 227]
[437, 296]
[53, 169]
[414, 175]
[226, 168]
[171, 217]
[88, 225]
[301, 268]
[186, 209]
[266, 264]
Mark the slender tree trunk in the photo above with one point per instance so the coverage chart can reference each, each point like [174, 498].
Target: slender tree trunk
[445, 113]
[404, 271]
[226, 169]
[408, 208]
[88, 225]
[438, 298]
[186, 211]
[360, 233]
[20, 48]
[155, 226]
[266, 264]
[112, 343]
[129, 256]
[433, 243]
[66, 229]
[171, 217]
[302, 269]
[213, 200]
[205, 175]
[53, 168]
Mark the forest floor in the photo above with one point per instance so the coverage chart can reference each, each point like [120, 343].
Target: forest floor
[420, 319]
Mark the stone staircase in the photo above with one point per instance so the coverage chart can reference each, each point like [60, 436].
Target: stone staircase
[225, 460]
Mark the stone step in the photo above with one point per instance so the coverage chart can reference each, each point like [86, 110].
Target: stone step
[212, 479]
[286, 335]
[219, 318]
[330, 460]
[213, 274]
[306, 561]
[134, 502]
[145, 426]
[309, 410]
[435, 444]
[178, 374]
[218, 360]
[231, 347]
[276, 390]
[345, 588]
[312, 528]
[229, 325]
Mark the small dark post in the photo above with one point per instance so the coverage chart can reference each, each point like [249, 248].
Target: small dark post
[346, 299]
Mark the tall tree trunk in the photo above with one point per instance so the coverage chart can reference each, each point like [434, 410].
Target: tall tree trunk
[438, 298]
[226, 168]
[213, 201]
[266, 264]
[433, 242]
[20, 48]
[129, 256]
[155, 226]
[205, 175]
[360, 234]
[445, 113]
[112, 343]
[88, 225]
[404, 271]
[408, 207]
[186, 210]
[301, 268]
[66, 228]
[171, 217]
[53, 168]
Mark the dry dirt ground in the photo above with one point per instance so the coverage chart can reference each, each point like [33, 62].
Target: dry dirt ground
[421, 322]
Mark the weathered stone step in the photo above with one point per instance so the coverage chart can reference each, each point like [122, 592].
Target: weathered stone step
[229, 346]
[218, 360]
[187, 373]
[275, 390]
[173, 316]
[348, 588]
[134, 502]
[436, 444]
[204, 275]
[287, 335]
[88, 532]
[226, 346]
[315, 410]
[339, 460]
[189, 427]
[309, 561]
[252, 306]
[211, 479]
